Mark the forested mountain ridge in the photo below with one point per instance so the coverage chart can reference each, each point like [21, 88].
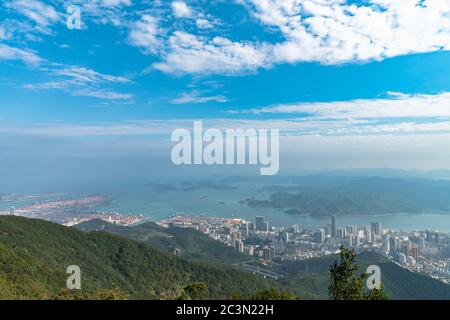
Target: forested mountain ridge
[34, 256]
[192, 245]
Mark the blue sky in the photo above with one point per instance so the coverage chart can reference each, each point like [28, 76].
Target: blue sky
[357, 76]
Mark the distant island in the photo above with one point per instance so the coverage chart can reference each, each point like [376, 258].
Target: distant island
[359, 196]
[188, 186]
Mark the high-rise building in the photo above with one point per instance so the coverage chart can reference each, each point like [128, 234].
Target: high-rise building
[260, 223]
[295, 228]
[245, 230]
[272, 252]
[280, 246]
[236, 235]
[385, 244]
[286, 238]
[437, 238]
[350, 240]
[410, 261]
[357, 240]
[375, 227]
[340, 233]
[319, 235]
[411, 250]
[268, 253]
[333, 226]
[422, 243]
[369, 236]
[226, 231]
[351, 230]
[392, 246]
[429, 235]
[401, 258]
[239, 245]
[322, 234]
[328, 229]
[415, 252]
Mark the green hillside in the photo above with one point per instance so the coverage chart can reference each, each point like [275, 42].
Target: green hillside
[193, 245]
[312, 276]
[399, 282]
[34, 255]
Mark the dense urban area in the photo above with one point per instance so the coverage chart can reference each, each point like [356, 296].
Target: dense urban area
[69, 212]
[426, 252]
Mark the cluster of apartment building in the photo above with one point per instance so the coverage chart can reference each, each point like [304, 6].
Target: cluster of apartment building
[422, 251]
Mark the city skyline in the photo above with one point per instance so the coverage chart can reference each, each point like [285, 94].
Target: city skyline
[423, 251]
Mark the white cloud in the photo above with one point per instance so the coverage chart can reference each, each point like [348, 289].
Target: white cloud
[51, 85]
[102, 12]
[395, 128]
[2, 33]
[75, 88]
[288, 127]
[193, 54]
[196, 97]
[114, 3]
[324, 31]
[400, 106]
[80, 81]
[97, 129]
[181, 10]
[338, 31]
[11, 53]
[41, 13]
[144, 33]
[202, 23]
[101, 94]
[23, 31]
[85, 75]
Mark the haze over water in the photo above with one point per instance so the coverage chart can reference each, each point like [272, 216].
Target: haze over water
[160, 205]
[159, 198]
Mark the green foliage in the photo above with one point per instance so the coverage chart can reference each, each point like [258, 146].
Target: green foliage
[193, 245]
[35, 254]
[66, 294]
[376, 294]
[236, 296]
[113, 293]
[195, 291]
[273, 294]
[345, 283]
[399, 283]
